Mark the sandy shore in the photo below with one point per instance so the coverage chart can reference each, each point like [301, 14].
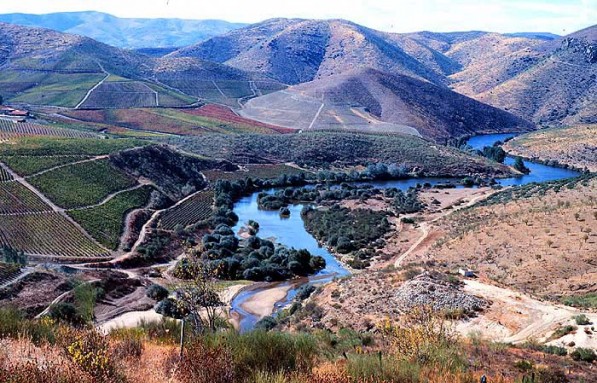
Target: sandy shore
[133, 318]
[262, 303]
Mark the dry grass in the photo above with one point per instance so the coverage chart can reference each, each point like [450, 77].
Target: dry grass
[574, 146]
[525, 242]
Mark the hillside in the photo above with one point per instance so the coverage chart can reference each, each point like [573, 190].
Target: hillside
[343, 150]
[370, 100]
[295, 50]
[574, 146]
[126, 32]
[45, 67]
[554, 82]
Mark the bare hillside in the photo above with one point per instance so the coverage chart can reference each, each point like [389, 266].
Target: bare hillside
[556, 81]
[370, 100]
[295, 50]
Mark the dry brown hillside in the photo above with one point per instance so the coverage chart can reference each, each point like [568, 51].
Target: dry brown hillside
[574, 146]
[537, 239]
[370, 100]
[296, 50]
[559, 87]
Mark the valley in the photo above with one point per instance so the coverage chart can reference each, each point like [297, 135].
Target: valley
[298, 200]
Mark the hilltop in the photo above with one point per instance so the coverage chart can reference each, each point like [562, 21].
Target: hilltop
[126, 32]
[372, 101]
[296, 50]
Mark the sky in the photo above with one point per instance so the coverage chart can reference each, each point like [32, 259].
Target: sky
[555, 16]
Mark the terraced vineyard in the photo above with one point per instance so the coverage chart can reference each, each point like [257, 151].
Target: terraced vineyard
[126, 94]
[28, 165]
[9, 129]
[196, 209]
[45, 146]
[82, 184]
[17, 199]
[4, 175]
[8, 271]
[106, 222]
[49, 234]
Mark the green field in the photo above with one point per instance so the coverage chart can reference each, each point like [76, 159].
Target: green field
[44, 146]
[17, 199]
[50, 88]
[28, 165]
[47, 234]
[106, 222]
[82, 184]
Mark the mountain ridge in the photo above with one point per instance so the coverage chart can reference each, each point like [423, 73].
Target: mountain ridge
[130, 33]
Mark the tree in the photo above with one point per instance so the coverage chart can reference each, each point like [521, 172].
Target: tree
[520, 166]
[10, 255]
[198, 299]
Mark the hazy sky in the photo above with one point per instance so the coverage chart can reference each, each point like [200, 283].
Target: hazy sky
[556, 16]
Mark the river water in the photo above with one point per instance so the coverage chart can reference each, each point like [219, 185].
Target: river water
[292, 233]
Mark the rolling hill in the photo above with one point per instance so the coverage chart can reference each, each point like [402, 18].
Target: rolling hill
[374, 101]
[558, 86]
[296, 50]
[46, 67]
[126, 32]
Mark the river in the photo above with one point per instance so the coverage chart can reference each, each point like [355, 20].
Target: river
[292, 233]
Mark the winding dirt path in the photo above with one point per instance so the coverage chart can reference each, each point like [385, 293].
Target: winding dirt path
[94, 87]
[425, 229]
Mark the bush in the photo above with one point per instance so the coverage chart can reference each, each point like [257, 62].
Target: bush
[584, 354]
[555, 350]
[67, 313]
[157, 292]
[582, 320]
[206, 364]
[266, 323]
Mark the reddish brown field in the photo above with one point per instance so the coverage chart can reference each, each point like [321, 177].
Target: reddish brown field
[223, 113]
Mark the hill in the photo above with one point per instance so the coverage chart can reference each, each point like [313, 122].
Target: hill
[550, 83]
[343, 150]
[126, 32]
[296, 50]
[370, 100]
[45, 67]
[574, 146]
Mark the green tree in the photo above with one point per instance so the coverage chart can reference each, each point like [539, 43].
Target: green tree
[520, 166]
[198, 299]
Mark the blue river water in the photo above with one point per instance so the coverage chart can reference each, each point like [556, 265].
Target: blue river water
[291, 231]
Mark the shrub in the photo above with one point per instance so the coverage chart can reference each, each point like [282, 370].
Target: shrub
[555, 350]
[129, 343]
[157, 292]
[66, 312]
[91, 353]
[266, 323]
[584, 354]
[203, 363]
[582, 320]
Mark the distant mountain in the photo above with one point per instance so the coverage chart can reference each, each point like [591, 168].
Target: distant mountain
[556, 82]
[45, 67]
[296, 50]
[126, 32]
[370, 100]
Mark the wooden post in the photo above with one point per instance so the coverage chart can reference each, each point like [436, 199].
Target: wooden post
[181, 337]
